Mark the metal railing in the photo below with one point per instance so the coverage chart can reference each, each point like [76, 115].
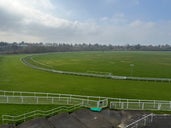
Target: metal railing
[38, 113]
[17, 97]
[144, 121]
[21, 93]
[40, 66]
[141, 105]
[88, 101]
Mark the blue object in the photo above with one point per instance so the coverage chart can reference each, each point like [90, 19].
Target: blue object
[96, 109]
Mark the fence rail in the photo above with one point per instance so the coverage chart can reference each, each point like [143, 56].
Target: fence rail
[140, 105]
[20, 93]
[38, 113]
[87, 101]
[17, 97]
[141, 122]
[37, 65]
[52, 100]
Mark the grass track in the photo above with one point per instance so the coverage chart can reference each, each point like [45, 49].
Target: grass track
[17, 76]
[146, 64]
[14, 75]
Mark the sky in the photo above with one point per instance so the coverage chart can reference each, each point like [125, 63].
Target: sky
[116, 22]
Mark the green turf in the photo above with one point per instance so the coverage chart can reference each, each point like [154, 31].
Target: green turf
[14, 110]
[143, 64]
[14, 75]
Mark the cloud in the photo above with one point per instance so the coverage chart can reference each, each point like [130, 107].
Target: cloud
[37, 11]
[29, 17]
[34, 21]
[8, 21]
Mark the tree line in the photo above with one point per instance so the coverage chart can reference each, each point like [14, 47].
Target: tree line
[23, 47]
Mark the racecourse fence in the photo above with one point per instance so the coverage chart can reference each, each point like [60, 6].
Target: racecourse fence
[141, 105]
[38, 113]
[17, 97]
[144, 121]
[37, 65]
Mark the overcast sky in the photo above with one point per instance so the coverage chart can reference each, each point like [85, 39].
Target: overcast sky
[86, 21]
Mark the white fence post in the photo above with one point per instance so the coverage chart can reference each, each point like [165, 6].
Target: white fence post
[142, 106]
[82, 102]
[139, 103]
[159, 106]
[98, 104]
[122, 105]
[151, 118]
[127, 104]
[154, 104]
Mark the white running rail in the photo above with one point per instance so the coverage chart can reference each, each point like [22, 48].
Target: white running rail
[16, 97]
[141, 105]
[88, 101]
[37, 65]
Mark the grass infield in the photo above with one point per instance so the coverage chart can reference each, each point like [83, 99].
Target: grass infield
[14, 75]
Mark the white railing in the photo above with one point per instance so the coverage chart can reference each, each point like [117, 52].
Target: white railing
[20, 93]
[141, 105]
[88, 101]
[38, 113]
[102, 103]
[144, 121]
[50, 100]
[17, 97]
[40, 66]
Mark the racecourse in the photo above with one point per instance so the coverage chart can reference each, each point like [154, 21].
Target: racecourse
[14, 75]
[33, 63]
[138, 64]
